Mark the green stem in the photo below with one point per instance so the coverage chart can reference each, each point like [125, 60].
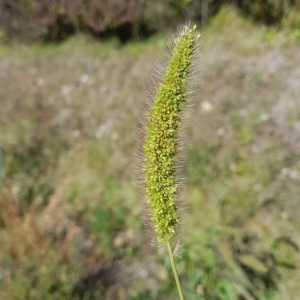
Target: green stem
[175, 271]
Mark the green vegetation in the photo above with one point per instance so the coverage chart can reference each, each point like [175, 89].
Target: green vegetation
[69, 205]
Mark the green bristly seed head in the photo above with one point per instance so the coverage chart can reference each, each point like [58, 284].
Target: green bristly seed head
[163, 123]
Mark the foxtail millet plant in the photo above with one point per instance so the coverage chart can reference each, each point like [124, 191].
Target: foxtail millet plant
[163, 133]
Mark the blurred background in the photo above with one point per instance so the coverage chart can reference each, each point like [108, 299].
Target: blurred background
[72, 76]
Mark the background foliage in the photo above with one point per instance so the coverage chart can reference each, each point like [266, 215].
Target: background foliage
[69, 207]
[55, 20]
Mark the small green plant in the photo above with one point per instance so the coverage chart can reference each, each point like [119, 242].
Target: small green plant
[162, 143]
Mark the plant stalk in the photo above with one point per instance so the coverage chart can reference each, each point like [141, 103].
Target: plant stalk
[175, 271]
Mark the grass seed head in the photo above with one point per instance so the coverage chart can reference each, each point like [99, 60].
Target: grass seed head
[162, 135]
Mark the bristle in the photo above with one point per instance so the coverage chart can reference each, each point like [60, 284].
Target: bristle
[162, 135]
